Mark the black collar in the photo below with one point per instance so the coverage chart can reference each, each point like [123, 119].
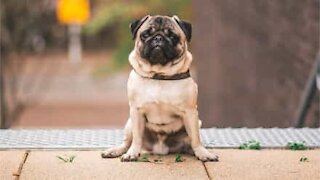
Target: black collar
[179, 76]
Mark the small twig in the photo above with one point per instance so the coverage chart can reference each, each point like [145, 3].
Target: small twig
[24, 159]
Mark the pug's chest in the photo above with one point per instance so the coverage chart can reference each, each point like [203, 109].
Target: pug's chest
[143, 92]
[158, 94]
[159, 105]
[162, 102]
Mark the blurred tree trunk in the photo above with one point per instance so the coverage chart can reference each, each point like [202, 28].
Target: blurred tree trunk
[253, 60]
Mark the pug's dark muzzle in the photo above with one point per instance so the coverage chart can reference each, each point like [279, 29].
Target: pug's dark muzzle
[159, 49]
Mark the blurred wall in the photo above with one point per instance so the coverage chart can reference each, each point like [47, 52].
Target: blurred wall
[253, 60]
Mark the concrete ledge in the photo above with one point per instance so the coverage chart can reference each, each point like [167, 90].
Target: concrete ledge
[265, 164]
[11, 163]
[89, 165]
[233, 164]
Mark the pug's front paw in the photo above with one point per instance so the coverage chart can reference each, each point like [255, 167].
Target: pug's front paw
[204, 155]
[132, 155]
[129, 157]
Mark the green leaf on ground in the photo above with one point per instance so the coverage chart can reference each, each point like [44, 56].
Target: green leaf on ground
[71, 158]
[67, 159]
[62, 159]
[252, 144]
[179, 158]
[144, 158]
[296, 145]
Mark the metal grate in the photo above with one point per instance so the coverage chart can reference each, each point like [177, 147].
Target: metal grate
[104, 138]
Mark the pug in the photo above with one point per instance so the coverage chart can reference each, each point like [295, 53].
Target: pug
[162, 95]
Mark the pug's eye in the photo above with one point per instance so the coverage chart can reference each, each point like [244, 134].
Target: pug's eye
[175, 38]
[172, 35]
[145, 35]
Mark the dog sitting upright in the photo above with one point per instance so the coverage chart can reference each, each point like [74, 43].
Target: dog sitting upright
[162, 95]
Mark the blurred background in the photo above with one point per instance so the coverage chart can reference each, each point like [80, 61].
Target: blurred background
[252, 60]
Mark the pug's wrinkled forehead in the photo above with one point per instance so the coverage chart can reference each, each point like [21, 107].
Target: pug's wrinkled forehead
[161, 23]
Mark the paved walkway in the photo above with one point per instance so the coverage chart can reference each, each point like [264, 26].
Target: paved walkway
[58, 94]
[234, 164]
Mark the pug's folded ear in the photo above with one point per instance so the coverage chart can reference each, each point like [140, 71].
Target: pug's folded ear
[135, 25]
[185, 26]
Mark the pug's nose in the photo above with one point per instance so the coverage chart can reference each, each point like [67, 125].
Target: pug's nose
[158, 38]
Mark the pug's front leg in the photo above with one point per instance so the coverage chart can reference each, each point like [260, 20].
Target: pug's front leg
[191, 122]
[138, 125]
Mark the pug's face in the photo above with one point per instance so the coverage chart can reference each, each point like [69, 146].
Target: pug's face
[160, 39]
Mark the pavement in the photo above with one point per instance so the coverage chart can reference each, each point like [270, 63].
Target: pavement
[233, 164]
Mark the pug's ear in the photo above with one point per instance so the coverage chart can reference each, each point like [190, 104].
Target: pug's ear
[135, 25]
[185, 26]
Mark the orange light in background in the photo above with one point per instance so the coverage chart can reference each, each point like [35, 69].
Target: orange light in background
[73, 11]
